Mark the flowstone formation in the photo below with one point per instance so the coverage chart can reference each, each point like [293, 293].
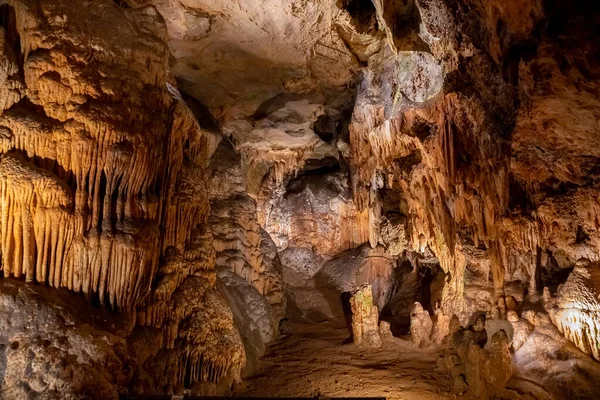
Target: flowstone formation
[103, 193]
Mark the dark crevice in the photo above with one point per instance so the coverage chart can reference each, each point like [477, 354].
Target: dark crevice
[581, 237]
[422, 129]
[363, 13]
[114, 213]
[101, 194]
[391, 202]
[326, 128]
[409, 285]
[550, 275]
[202, 114]
[121, 3]
[12, 45]
[518, 199]
[406, 164]
[510, 62]
[321, 166]
[296, 185]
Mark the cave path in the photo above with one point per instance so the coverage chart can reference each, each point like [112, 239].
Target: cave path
[310, 360]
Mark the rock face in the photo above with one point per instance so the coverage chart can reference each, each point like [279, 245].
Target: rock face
[248, 266]
[421, 326]
[33, 359]
[103, 193]
[483, 372]
[317, 214]
[242, 246]
[576, 309]
[79, 202]
[349, 271]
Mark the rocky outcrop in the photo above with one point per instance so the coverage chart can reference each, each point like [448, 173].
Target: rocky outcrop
[71, 351]
[248, 267]
[421, 326]
[483, 372]
[539, 347]
[79, 202]
[576, 309]
[349, 271]
[103, 193]
[317, 214]
[242, 246]
[254, 317]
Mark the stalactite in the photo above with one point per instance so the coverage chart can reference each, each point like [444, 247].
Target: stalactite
[102, 186]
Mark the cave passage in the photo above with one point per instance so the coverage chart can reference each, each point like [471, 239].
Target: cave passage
[310, 360]
[392, 199]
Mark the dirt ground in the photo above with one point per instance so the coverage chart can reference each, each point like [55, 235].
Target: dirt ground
[310, 360]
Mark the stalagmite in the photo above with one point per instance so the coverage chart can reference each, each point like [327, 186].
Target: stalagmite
[365, 327]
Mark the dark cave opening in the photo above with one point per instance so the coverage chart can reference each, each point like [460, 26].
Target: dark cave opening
[326, 127]
[362, 13]
[12, 43]
[518, 200]
[410, 284]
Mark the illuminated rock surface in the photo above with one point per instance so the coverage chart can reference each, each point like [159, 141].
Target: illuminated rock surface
[182, 180]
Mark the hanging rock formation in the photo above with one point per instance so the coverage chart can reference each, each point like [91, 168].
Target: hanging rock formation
[247, 263]
[103, 192]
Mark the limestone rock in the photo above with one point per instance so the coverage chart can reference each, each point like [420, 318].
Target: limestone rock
[349, 271]
[522, 328]
[309, 304]
[539, 351]
[365, 327]
[441, 327]
[256, 320]
[54, 345]
[482, 372]
[103, 191]
[241, 244]
[576, 309]
[317, 213]
[420, 326]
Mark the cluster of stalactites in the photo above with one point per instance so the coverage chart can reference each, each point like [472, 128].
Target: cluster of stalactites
[85, 213]
[101, 176]
[281, 164]
[44, 241]
[207, 347]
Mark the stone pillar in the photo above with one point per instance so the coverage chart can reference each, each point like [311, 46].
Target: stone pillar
[365, 318]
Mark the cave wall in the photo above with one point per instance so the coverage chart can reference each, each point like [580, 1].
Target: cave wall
[338, 139]
[104, 194]
[463, 153]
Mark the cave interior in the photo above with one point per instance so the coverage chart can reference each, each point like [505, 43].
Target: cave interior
[300, 199]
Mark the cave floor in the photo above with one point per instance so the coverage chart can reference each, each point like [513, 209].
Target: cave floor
[310, 360]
